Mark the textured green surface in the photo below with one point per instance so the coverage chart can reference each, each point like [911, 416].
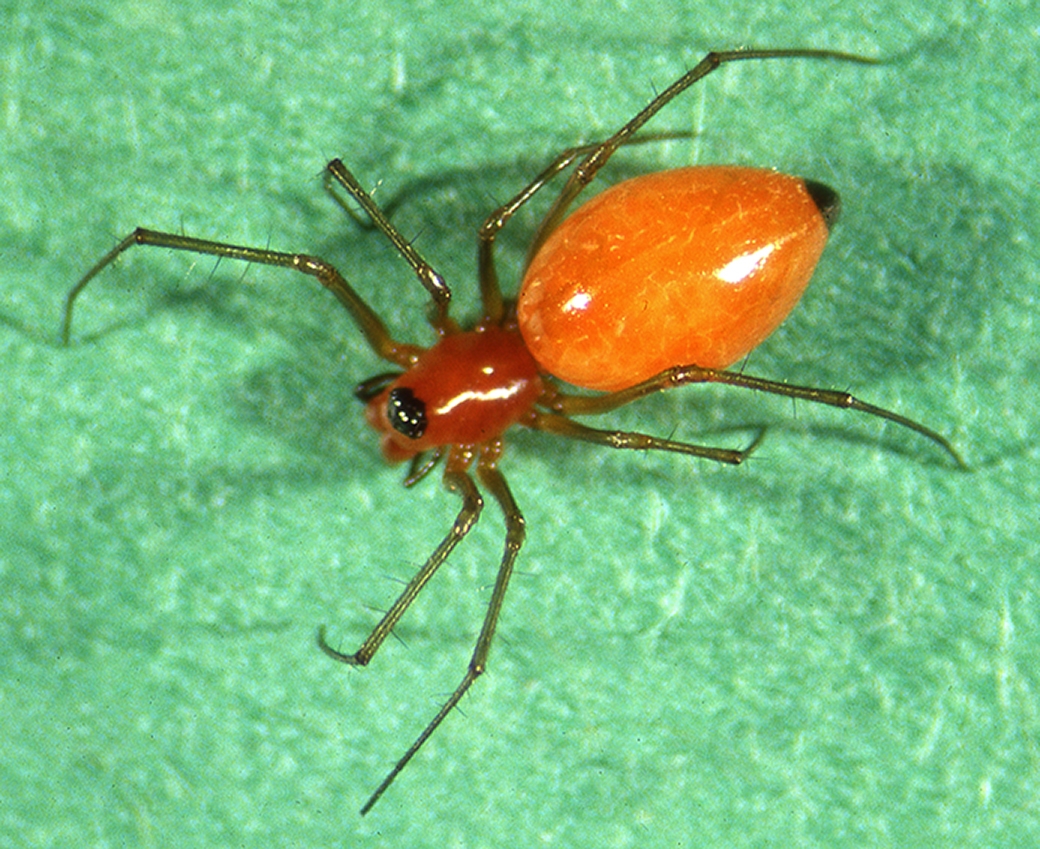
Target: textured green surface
[836, 645]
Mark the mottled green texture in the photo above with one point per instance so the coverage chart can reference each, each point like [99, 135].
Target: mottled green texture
[834, 646]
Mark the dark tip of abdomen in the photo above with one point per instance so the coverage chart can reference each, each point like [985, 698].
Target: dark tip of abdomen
[826, 200]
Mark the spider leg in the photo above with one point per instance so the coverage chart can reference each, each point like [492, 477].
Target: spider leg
[337, 172]
[490, 291]
[587, 169]
[458, 481]
[368, 322]
[573, 405]
[560, 425]
[493, 479]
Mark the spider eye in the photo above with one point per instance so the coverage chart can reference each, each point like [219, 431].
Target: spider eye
[407, 414]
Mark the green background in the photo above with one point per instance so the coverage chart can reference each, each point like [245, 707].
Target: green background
[834, 645]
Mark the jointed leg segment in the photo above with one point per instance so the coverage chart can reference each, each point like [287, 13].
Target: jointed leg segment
[587, 169]
[472, 503]
[495, 483]
[576, 405]
[563, 426]
[337, 172]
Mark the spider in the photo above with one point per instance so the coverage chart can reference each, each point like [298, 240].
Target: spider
[661, 281]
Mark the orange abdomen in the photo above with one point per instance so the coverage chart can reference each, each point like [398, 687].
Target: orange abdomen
[694, 266]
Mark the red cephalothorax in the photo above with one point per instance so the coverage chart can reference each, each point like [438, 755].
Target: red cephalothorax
[465, 390]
